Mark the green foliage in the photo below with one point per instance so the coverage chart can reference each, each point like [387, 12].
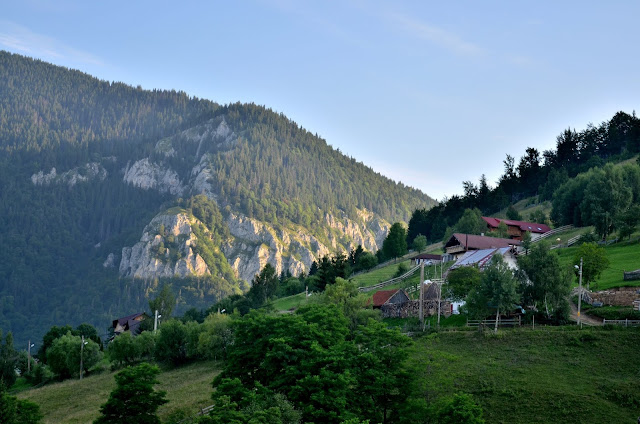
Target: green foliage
[63, 357]
[395, 244]
[628, 220]
[461, 281]
[546, 284]
[17, 411]
[164, 302]
[8, 361]
[594, 261]
[312, 358]
[461, 409]
[401, 270]
[216, 336]
[471, 222]
[263, 286]
[134, 399]
[419, 243]
[512, 213]
[171, 343]
[497, 290]
[123, 349]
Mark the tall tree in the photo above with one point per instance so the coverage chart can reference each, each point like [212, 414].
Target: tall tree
[134, 400]
[164, 302]
[594, 261]
[497, 290]
[547, 284]
[395, 245]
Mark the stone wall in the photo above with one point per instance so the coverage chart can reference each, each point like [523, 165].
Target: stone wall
[412, 309]
[623, 296]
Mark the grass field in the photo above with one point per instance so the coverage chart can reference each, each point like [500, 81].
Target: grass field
[72, 401]
[553, 375]
[290, 302]
[624, 256]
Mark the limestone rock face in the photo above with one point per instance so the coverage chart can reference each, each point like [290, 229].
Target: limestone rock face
[164, 250]
[254, 244]
[79, 174]
[148, 175]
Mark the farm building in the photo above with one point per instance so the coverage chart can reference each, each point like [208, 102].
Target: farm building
[481, 258]
[517, 229]
[129, 323]
[459, 244]
[426, 258]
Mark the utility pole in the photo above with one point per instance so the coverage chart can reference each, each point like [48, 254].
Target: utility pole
[29, 356]
[439, 299]
[422, 295]
[81, 354]
[155, 322]
[580, 293]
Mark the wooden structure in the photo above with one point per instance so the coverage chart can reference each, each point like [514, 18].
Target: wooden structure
[460, 243]
[389, 297]
[517, 229]
[129, 323]
[426, 258]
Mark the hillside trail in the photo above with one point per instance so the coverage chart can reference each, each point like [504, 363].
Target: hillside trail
[585, 319]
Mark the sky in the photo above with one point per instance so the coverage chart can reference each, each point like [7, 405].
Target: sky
[429, 93]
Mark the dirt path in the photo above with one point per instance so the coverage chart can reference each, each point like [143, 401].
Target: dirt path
[585, 319]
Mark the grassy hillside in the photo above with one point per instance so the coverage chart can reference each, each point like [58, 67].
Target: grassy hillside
[188, 389]
[624, 256]
[549, 375]
[554, 375]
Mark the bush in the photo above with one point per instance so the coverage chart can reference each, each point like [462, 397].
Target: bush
[40, 374]
[123, 350]
[64, 355]
[402, 269]
[216, 336]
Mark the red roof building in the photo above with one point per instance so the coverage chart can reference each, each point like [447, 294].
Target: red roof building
[460, 243]
[516, 229]
[383, 297]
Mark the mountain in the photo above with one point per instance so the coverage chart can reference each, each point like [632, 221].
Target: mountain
[108, 191]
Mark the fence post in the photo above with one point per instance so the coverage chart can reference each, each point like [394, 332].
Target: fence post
[626, 322]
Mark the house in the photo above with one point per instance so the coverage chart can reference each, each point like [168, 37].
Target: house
[426, 258]
[517, 229]
[388, 297]
[129, 323]
[459, 244]
[481, 258]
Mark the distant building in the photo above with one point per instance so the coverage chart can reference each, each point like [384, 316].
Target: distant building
[516, 229]
[129, 323]
[460, 243]
[387, 297]
[481, 258]
[426, 258]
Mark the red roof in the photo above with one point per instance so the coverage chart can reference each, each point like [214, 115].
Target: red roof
[524, 226]
[473, 242]
[380, 297]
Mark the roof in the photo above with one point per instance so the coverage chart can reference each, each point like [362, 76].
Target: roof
[523, 225]
[428, 256]
[380, 297]
[124, 320]
[479, 257]
[473, 242]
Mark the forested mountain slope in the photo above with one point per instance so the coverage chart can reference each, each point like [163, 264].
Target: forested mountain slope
[107, 191]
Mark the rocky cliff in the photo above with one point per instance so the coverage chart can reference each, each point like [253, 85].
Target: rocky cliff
[251, 246]
[166, 249]
[253, 243]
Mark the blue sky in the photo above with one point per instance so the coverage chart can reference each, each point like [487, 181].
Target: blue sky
[428, 93]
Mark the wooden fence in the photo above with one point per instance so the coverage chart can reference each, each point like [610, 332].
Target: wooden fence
[552, 232]
[390, 282]
[511, 322]
[625, 322]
